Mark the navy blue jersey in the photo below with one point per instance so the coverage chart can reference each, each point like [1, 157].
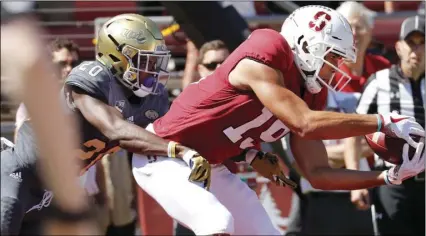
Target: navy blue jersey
[95, 80]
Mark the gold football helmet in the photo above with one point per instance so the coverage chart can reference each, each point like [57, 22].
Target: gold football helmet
[133, 48]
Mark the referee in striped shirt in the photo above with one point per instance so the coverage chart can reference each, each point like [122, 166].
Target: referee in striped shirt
[400, 209]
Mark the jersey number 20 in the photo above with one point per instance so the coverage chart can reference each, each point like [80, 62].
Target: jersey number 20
[94, 71]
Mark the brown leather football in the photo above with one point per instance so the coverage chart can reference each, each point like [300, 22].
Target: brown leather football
[389, 148]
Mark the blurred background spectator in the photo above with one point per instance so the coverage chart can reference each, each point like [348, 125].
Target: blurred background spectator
[202, 63]
[361, 20]
[28, 75]
[65, 56]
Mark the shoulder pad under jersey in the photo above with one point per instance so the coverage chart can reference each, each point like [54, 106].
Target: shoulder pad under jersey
[92, 77]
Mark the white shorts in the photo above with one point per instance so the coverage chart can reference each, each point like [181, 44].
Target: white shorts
[229, 207]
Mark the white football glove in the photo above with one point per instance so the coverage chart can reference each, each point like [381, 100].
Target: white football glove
[400, 126]
[408, 168]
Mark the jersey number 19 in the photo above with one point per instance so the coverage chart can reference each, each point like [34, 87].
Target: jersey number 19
[273, 133]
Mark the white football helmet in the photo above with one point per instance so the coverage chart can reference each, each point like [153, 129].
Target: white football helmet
[312, 32]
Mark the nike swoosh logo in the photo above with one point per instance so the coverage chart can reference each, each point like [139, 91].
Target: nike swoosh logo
[396, 120]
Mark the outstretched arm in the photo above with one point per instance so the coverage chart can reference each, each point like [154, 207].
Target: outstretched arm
[136, 139]
[268, 85]
[111, 123]
[311, 158]
[338, 153]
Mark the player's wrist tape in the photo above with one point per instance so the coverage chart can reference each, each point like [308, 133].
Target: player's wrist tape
[251, 154]
[57, 213]
[188, 155]
[171, 149]
[387, 181]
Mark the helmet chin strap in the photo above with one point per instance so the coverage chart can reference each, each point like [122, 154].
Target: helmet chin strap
[311, 81]
[312, 84]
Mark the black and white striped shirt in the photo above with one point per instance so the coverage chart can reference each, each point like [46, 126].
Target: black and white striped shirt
[388, 90]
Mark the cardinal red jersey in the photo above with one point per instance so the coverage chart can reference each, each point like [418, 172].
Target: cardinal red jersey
[218, 120]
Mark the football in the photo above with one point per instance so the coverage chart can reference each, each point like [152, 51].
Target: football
[389, 148]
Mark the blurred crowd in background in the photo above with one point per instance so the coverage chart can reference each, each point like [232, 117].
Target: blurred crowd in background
[390, 54]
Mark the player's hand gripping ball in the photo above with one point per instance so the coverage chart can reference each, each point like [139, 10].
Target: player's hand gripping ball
[389, 148]
[408, 161]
